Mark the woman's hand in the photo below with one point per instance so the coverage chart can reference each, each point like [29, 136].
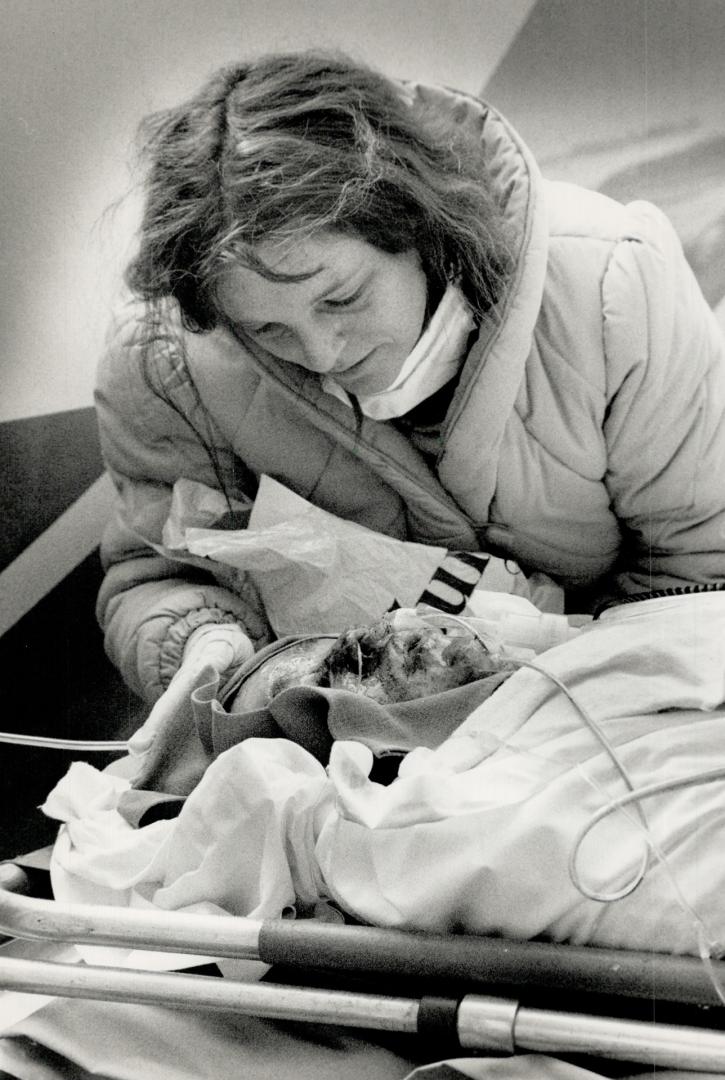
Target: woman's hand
[212, 649]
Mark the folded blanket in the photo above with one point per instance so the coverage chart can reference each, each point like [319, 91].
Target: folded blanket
[312, 717]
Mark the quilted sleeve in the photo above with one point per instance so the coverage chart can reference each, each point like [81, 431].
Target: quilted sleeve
[148, 604]
[665, 415]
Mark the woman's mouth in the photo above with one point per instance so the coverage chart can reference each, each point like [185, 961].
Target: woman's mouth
[351, 369]
[361, 377]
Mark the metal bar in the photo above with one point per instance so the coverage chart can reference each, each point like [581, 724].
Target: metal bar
[484, 1023]
[487, 1023]
[164, 931]
[371, 1011]
[671, 1046]
[309, 944]
[13, 878]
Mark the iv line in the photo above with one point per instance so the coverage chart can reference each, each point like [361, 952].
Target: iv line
[45, 742]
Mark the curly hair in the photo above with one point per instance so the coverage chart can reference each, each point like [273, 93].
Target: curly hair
[293, 144]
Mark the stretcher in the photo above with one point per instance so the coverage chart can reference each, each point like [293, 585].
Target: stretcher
[481, 995]
[474, 1011]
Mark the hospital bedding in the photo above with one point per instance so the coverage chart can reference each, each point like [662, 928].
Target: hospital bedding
[477, 833]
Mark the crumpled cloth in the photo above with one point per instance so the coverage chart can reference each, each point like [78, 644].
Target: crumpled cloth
[533, 1067]
[476, 834]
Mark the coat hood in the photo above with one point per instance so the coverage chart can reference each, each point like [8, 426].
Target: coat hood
[492, 375]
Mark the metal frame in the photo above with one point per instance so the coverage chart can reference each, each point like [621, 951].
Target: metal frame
[475, 1022]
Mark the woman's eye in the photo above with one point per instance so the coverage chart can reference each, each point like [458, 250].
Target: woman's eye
[344, 301]
[269, 330]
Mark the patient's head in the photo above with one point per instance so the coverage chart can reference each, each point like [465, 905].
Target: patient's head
[401, 657]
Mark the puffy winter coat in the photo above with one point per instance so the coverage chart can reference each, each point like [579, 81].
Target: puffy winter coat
[586, 437]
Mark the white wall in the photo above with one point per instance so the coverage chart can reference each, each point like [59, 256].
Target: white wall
[586, 75]
[77, 75]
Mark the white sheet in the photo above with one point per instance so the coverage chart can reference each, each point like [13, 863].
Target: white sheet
[475, 835]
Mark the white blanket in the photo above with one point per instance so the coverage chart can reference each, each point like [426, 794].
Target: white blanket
[476, 835]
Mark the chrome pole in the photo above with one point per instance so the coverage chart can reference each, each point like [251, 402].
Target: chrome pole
[483, 1023]
[203, 992]
[307, 943]
[671, 1046]
[164, 931]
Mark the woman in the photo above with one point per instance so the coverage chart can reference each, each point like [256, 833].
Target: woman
[366, 290]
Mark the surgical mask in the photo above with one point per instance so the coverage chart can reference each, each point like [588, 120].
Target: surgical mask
[435, 360]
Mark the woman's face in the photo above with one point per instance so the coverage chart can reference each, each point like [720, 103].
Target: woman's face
[356, 315]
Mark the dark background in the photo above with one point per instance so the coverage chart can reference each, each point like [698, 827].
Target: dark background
[55, 676]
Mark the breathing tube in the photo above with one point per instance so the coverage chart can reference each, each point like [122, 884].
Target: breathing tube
[80, 746]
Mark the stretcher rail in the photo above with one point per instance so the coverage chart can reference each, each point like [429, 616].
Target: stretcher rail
[469, 1022]
[463, 959]
[479, 1022]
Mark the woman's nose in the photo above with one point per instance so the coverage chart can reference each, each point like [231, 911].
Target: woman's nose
[322, 347]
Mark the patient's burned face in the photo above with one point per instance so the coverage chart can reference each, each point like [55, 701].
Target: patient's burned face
[390, 662]
[399, 658]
